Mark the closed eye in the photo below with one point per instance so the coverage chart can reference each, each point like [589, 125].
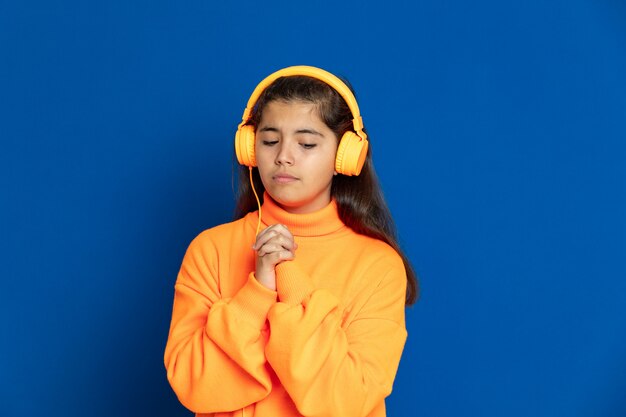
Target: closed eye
[269, 142]
[308, 145]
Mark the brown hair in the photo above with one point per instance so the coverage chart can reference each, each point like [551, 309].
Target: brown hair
[360, 200]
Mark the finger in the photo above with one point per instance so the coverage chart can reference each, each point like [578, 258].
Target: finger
[285, 242]
[270, 232]
[264, 237]
[275, 245]
[268, 248]
[278, 257]
[283, 230]
[267, 231]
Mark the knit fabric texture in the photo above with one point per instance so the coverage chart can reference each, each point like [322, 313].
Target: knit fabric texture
[327, 342]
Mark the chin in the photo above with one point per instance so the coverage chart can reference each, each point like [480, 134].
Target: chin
[285, 199]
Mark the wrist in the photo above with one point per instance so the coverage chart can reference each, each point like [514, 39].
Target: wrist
[266, 278]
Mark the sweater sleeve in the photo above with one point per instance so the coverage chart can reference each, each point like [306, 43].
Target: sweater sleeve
[216, 346]
[328, 367]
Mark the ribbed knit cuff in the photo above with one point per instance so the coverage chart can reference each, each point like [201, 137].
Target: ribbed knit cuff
[293, 285]
[253, 301]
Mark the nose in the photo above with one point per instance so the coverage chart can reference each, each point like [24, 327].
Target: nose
[285, 154]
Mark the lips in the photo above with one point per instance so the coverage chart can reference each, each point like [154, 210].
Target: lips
[284, 178]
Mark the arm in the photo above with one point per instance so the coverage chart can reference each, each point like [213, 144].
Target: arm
[215, 356]
[328, 367]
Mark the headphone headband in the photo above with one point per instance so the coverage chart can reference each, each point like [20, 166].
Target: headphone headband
[333, 81]
[352, 147]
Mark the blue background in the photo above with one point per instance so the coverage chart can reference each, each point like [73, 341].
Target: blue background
[498, 132]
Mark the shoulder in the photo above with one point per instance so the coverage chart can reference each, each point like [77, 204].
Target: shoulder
[380, 279]
[375, 252]
[211, 241]
[210, 248]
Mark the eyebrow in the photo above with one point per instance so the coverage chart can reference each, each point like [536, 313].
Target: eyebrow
[309, 131]
[299, 131]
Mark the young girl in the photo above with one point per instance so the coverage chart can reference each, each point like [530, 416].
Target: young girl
[305, 317]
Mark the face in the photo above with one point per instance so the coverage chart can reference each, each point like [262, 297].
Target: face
[295, 154]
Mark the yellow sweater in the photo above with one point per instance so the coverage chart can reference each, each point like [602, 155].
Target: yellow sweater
[326, 343]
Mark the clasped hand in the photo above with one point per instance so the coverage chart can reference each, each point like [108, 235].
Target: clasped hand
[273, 245]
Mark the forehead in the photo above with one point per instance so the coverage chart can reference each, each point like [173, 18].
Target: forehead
[291, 111]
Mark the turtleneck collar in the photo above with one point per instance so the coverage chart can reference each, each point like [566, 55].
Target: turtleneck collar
[319, 223]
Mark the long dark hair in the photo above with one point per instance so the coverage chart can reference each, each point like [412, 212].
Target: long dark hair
[360, 200]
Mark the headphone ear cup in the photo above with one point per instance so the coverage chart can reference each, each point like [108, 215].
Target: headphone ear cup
[351, 154]
[244, 146]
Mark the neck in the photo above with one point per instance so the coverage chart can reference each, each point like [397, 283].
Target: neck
[318, 223]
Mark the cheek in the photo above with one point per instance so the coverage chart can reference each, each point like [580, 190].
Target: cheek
[326, 166]
[332, 157]
[262, 156]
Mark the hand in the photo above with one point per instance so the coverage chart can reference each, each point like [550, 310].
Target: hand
[273, 245]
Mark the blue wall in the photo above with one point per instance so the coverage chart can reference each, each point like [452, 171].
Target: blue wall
[498, 131]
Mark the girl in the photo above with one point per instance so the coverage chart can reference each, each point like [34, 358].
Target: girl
[307, 316]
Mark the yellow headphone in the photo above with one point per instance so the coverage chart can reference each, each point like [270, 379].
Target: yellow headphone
[352, 148]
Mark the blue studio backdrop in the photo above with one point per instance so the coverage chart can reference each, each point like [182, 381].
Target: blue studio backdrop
[498, 131]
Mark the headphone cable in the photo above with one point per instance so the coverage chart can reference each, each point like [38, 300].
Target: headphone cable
[258, 202]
